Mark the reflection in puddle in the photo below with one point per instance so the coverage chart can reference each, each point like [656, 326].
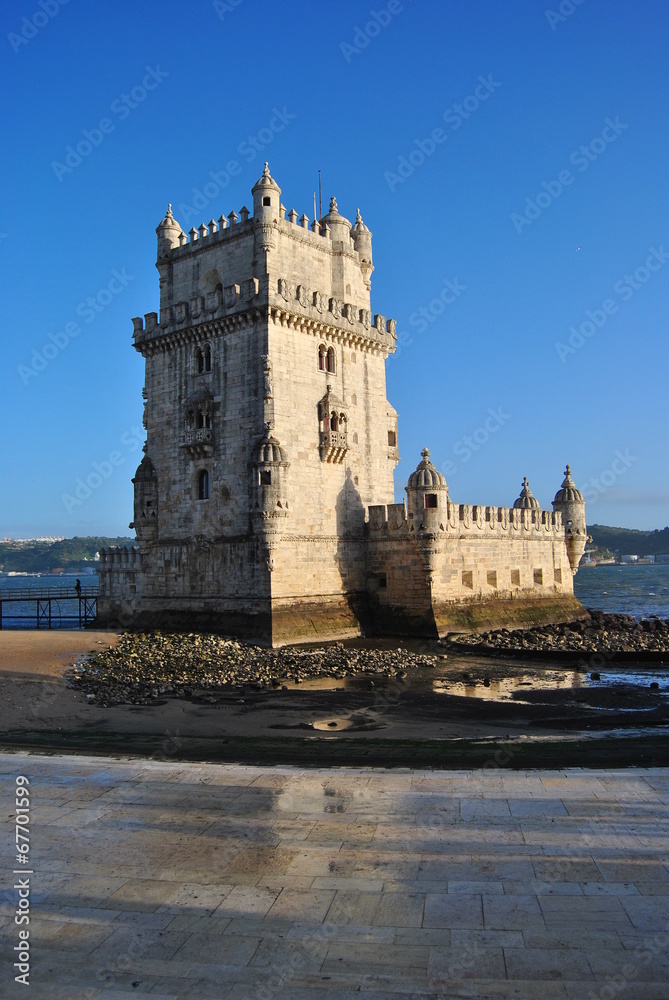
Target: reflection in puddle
[504, 688]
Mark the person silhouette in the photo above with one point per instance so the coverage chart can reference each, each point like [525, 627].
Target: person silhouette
[77, 587]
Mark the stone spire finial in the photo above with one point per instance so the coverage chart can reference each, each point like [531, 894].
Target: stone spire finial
[265, 172]
[425, 453]
[333, 204]
[526, 498]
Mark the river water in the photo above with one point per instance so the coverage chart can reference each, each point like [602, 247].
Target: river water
[639, 591]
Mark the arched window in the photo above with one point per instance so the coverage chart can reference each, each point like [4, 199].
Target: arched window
[322, 357]
[202, 359]
[203, 485]
[334, 422]
[330, 360]
[203, 416]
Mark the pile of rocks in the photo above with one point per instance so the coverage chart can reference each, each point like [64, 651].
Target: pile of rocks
[601, 632]
[144, 666]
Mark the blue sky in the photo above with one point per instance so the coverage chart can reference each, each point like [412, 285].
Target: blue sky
[511, 163]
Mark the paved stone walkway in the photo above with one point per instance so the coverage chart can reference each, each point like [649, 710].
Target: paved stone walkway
[208, 882]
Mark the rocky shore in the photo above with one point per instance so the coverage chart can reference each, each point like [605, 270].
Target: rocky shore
[144, 666]
[601, 633]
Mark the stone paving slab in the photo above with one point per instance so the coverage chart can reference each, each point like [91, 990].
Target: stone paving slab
[226, 882]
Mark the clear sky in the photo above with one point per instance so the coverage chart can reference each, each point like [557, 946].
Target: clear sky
[510, 159]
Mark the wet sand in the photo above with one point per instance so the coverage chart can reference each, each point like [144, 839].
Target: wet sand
[422, 718]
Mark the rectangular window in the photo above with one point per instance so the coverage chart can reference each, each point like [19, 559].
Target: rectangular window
[382, 581]
[515, 578]
[492, 578]
[430, 500]
[392, 439]
[468, 579]
[538, 577]
[558, 576]
[265, 477]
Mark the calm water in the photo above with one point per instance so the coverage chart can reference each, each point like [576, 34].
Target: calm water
[633, 590]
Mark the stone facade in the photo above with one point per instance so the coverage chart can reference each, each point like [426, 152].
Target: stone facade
[264, 501]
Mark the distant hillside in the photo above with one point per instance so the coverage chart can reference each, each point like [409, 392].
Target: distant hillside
[71, 554]
[630, 542]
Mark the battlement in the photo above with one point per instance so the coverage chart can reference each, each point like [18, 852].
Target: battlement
[234, 226]
[286, 300]
[119, 557]
[467, 519]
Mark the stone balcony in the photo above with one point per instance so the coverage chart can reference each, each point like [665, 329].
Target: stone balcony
[200, 442]
[334, 446]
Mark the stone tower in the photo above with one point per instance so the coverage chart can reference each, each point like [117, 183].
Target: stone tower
[268, 427]
[264, 500]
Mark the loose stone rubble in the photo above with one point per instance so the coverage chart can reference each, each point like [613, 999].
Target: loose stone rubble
[601, 633]
[146, 666]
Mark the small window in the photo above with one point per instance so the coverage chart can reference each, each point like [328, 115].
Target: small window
[392, 441]
[492, 578]
[355, 438]
[382, 581]
[334, 422]
[203, 485]
[203, 359]
[538, 577]
[558, 576]
[267, 201]
[430, 500]
[468, 579]
[265, 477]
[515, 578]
[322, 356]
[330, 360]
[355, 480]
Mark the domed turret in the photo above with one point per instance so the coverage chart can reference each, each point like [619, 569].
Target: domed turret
[268, 468]
[168, 232]
[427, 492]
[362, 241]
[340, 227]
[526, 501]
[266, 197]
[569, 501]
[145, 483]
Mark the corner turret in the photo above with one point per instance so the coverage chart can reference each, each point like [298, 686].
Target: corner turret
[169, 232]
[266, 197]
[339, 226]
[362, 241]
[569, 501]
[427, 495]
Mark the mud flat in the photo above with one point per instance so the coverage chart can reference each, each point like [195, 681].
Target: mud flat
[198, 697]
